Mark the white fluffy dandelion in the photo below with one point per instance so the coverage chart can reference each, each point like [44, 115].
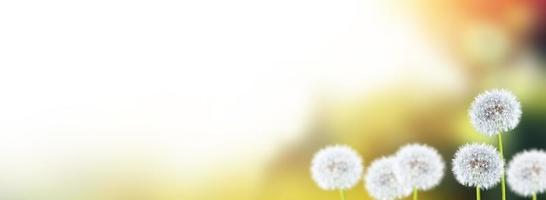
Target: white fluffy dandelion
[527, 173]
[478, 165]
[419, 166]
[336, 167]
[381, 182]
[495, 111]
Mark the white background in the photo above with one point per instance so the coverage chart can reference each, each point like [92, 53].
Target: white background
[198, 83]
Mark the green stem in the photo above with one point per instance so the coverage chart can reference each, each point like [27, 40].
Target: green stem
[342, 194]
[414, 193]
[478, 196]
[534, 196]
[501, 151]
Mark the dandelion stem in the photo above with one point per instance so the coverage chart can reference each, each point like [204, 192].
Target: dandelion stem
[503, 182]
[534, 196]
[414, 193]
[478, 196]
[342, 194]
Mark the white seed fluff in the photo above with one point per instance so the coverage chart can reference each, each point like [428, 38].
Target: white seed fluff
[336, 167]
[478, 165]
[526, 173]
[382, 184]
[419, 166]
[495, 111]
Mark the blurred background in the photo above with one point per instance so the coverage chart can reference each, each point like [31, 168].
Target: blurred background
[164, 100]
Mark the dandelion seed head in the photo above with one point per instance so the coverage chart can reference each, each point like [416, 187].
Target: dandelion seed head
[419, 166]
[526, 173]
[495, 111]
[336, 167]
[478, 165]
[381, 182]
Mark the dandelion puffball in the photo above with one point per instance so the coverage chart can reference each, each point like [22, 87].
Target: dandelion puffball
[381, 182]
[495, 111]
[526, 173]
[478, 165]
[336, 167]
[419, 166]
